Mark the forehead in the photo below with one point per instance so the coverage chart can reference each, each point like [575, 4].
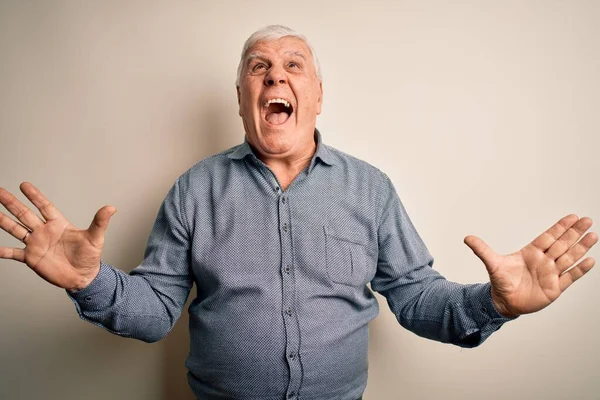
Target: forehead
[280, 47]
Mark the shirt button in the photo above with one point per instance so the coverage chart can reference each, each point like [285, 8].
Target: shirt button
[285, 227]
[88, 298]
[292, 356]
[288, 311]
[292, 395]
[283, 199]
[286, 269]
[277, 188]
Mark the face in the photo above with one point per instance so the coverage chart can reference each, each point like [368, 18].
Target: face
[280, 97]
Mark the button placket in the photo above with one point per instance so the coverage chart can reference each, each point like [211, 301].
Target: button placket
[292, 331]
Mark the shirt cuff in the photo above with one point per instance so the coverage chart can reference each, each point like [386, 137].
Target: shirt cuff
[484, 312]
[99, 294]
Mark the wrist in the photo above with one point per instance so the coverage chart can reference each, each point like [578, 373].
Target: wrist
[84, 281]
[501, 307]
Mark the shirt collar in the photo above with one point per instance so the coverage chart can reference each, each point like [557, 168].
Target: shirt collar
[322, 153]
[242, 151]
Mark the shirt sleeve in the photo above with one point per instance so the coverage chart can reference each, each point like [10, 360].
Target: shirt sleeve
[146, 303]
[422, 300]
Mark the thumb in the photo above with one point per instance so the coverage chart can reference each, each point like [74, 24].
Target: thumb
[481, 250]
[100, 222]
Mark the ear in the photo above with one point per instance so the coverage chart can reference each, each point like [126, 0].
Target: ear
[237, 88]
[320, 99]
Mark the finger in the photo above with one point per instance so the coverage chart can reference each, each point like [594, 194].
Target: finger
[569, 238]
[19, 210]
[99, 224]
[575, 273]
[47, 209]
[547, 239]
[15, 229]
[12, 253]
[481, 250]
[565, 261]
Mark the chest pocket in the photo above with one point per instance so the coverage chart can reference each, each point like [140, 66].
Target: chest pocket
[346, 260]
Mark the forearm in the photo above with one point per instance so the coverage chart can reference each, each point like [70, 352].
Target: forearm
[445, 311]
[131, 305]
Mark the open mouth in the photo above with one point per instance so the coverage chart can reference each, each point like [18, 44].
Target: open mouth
[278, 111]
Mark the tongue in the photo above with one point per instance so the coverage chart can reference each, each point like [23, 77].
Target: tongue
[277, 118]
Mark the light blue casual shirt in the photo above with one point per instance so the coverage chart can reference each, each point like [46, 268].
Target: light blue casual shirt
[282, 278]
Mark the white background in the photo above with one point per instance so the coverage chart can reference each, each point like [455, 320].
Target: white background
[483, 113]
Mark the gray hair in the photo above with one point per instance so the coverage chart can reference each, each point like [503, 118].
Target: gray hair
[272, 33]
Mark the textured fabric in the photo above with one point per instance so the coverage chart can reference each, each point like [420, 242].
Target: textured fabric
[283, 304]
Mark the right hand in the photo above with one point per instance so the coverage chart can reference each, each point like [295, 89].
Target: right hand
[54, 249]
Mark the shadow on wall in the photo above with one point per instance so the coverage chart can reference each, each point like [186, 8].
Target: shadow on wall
[215, 133]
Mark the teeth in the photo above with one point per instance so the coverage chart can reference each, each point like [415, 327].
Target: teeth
[281, 101]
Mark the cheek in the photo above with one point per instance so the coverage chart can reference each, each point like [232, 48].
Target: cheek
[312, 97]
[245, 104]
[311, 101]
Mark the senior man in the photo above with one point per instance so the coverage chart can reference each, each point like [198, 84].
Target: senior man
[281, 235]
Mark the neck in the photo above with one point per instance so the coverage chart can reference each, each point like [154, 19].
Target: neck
[286, 169]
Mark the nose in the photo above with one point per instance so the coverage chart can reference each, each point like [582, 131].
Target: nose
[275, 76]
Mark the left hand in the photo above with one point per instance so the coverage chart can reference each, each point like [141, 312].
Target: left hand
[535, 276]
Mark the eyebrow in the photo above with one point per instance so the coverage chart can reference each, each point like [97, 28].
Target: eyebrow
[257, 54]
[296, 53]
[254, 55]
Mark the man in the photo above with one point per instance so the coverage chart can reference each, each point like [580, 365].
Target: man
[281, 235]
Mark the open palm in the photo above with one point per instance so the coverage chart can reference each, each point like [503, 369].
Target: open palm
[55, 249]
[536, 275]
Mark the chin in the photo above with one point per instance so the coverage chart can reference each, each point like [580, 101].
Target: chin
[277, 134]
[276, 143]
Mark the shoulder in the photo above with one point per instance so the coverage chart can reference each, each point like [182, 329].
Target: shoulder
[354, 166]
[208, 171]
[213, 164]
